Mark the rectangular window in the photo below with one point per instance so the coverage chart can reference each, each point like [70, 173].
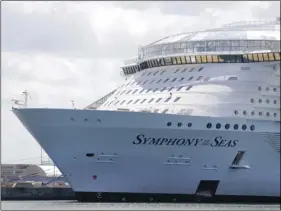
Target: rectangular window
[136, 101]
[129, 91]
[199, 78]
[188, 88]
[159, 80]
[174, 79]
[233, 78]
[206, 79]
[149, 74]
[143, 101]
[165, 111]
[155, 73]
[190, 78]
[177, 99]
[122, 102]
[148, 90]
[270, 56]
[255, 56]
[162, 72]
[277, 56]
[158, 100]
[174, 61]
[151, 81]
[198, 59]
[183, 60]
[250, 57]
[144, 82]
[178, 89]
[163, 89]
[265, 57]
[178, 60]
[150, 100]
[169, 98]
[170, 89]
[185, 69]
[177, 70]
[201, 68]
[203, 59]
[142, 91]
[215, 59]
[155, 90]
[181, 79]
[116, 102]
[260, 57]
[135, 91]
[187, 58]
[191, 69]
[209, 59]
[129, 102]
[166, 80]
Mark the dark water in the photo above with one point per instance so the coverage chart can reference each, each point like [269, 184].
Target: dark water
[73, 205]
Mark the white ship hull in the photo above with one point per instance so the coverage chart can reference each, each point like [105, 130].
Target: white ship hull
[137, 153]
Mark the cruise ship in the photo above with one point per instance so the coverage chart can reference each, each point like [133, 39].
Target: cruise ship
[197, 119]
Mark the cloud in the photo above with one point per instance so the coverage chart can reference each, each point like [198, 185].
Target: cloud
[62, 51]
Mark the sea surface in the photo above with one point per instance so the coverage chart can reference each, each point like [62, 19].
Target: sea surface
[73, 205]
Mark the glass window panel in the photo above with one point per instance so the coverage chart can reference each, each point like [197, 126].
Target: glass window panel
[174, 61]
[193, 61]
[203, 59]
[183, 60]
[209, 58]
[270, 56]
[277, 56]
[255, 56]
[178, 60]
[250, 57]
[187, 58]
[265, 57]
[198, 59]
[260, 57]
[215, 59]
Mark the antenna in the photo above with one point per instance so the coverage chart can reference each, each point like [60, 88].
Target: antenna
[73, 105]
[20, 102]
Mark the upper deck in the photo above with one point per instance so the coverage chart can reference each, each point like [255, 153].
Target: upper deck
[234, 38]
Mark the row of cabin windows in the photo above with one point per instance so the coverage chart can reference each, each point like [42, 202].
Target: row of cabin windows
[199, 78]
[180, 88]
[218, 126]
[267, 89]
[260, 101]
[227, 126]
[176, 71]
[259, 113]
[141, 101]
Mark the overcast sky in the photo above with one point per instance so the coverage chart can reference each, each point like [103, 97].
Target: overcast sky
[63, 51]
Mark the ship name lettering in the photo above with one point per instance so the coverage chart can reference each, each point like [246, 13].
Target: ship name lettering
[218, 141]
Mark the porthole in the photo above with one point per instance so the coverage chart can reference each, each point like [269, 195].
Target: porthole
[252, 127]
[236, 112]
[244, 127]
[72, 119]
[260, 113]
[275, 101]
[274, 114]
[252, 113]
[260, 100]
[218, 126]
[245, 112]
[169, 124]
[259, 88]
[209, 125]
[227, 126]
[267, 114]
[274, 89]
[236, 127]
[252, 100]
[189, 124]
[179, 124]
